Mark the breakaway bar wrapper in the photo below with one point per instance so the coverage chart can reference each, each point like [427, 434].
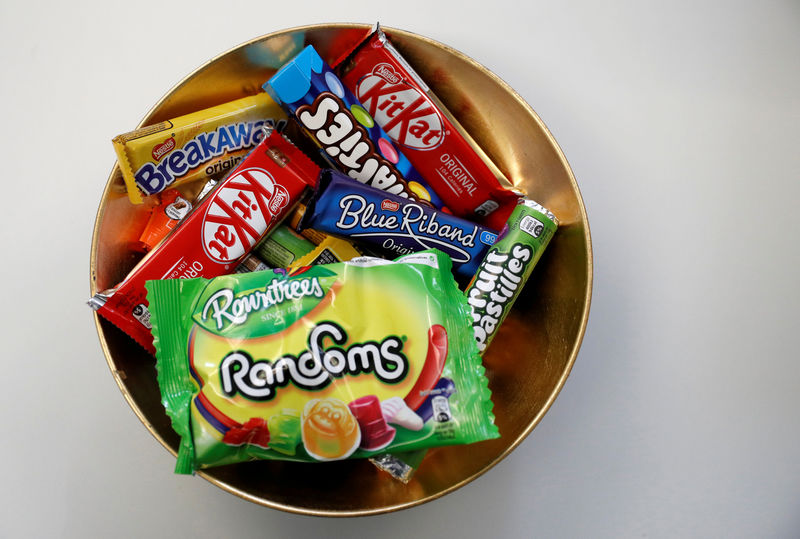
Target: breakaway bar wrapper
[300, 367]
[435, 143]
[507, 266]
[362, 214]
[351, 140]
[193, 146]
[217, 234]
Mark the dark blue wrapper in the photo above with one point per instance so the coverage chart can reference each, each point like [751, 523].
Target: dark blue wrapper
[343, 207]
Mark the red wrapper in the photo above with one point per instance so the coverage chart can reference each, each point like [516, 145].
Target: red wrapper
[429, 136]
[220, 231]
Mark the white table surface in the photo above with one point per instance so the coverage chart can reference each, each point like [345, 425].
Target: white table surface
[680, 120]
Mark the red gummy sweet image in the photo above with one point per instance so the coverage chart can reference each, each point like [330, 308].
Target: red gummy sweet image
[432, 369]
[253, 432]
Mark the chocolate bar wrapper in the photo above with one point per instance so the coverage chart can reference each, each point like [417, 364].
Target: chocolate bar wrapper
[221, 230]
[197, 145]
[395, 225]
[251, 263]
[507, 267]
[430, 137]
[330, 251]
[349, 137]
[282, 247]
[310, 234]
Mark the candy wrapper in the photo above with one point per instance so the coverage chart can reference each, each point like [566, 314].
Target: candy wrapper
[196, 145]
[251, 263]
[507, 266]
[329, 251]
[299, 367]
[491, 294]
[392, 224]
[282, 247]
[351, 141]
[314, 236]
[426, 132]
[166, 215]
[220, 231]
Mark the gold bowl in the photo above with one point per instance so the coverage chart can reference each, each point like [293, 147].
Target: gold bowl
[533, 352]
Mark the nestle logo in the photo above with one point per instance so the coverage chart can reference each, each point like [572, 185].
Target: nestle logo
[279, 199]
[390, 205]
[387, 73]
[159, 150]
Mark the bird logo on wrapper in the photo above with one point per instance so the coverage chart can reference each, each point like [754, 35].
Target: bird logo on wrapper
[406, 114]
[240, 212]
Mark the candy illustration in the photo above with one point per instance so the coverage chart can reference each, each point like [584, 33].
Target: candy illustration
[432, 369]
[254, 432]
[419, 190]
[361, 116]
[375, 433]
[284, 429]
[334, 85]
[388, 151]
[397, 412]
[329, 430]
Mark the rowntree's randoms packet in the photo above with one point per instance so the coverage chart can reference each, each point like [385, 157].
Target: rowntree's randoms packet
[324, 363]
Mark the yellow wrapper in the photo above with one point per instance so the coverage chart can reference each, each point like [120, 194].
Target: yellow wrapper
[314, 236]
[330, 251]
[193, 146]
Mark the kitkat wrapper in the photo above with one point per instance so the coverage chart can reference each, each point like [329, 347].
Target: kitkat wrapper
[392, 93]
[217, 234]
[325, 363]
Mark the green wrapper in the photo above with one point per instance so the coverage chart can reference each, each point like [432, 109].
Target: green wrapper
[322, 363]
[281, 248]
[492, 292]
[507, 266]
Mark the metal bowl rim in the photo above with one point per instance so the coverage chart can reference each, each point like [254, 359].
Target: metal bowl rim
[535, 421]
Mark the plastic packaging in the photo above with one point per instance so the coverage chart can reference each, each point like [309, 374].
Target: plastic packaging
[298, 366]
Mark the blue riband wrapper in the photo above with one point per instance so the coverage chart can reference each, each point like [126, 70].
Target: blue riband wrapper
[350, 140]
[392, 224]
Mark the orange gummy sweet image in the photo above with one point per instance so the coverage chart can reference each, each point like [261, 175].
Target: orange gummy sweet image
[329, 429]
